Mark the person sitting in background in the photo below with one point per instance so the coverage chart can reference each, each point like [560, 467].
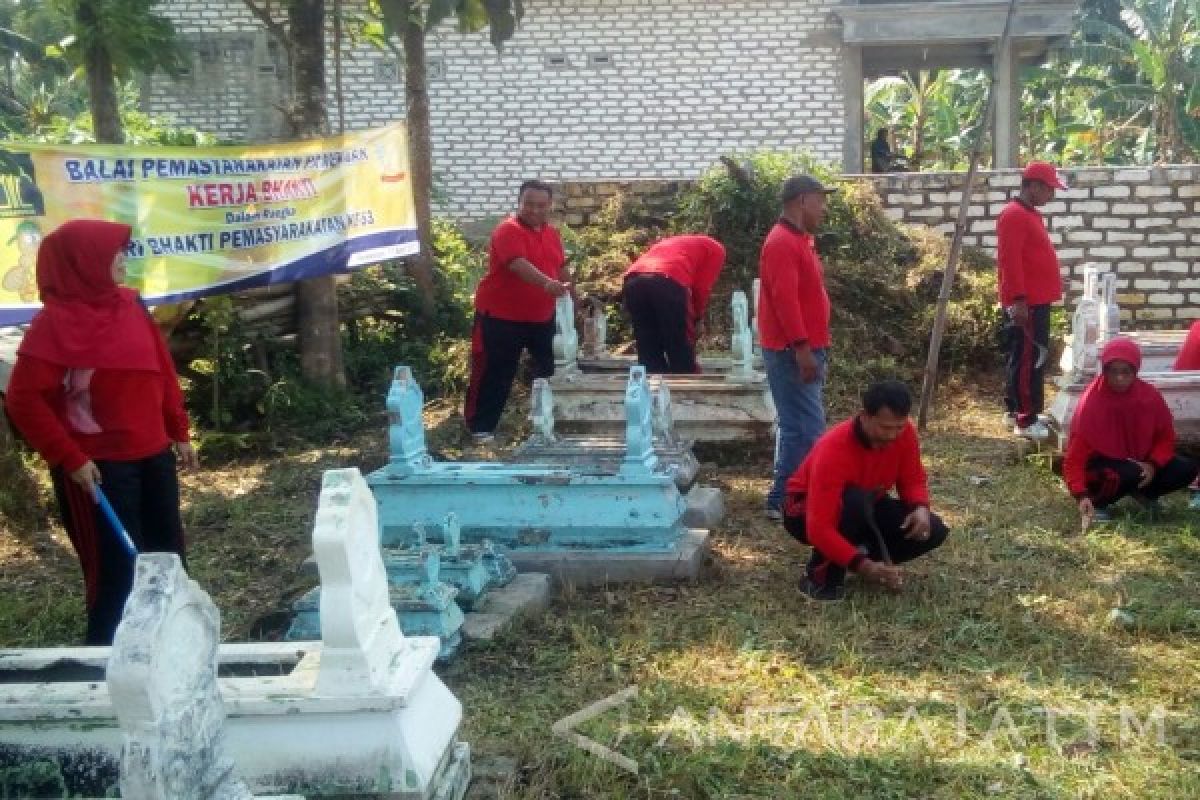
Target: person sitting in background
[666, 292]
[838, 501]
[881, 152]
[1122, 439]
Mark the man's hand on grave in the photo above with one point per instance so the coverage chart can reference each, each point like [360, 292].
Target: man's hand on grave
[555, 288]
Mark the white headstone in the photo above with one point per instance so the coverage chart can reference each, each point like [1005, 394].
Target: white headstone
[542, 411]
[359, 630]
[597, 330]
[755, 297]
[566, 341]
[162, 678]
[663, 418]
[742, 338]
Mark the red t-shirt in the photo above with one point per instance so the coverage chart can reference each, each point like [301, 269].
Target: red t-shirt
[693, 261]
[137, 412]
[1025, 257]
[502, 294]
[842, 458]
[792, 302]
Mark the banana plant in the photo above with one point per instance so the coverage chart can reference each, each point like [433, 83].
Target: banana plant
[1152, 65]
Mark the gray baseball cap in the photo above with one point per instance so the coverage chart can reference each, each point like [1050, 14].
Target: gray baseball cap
[797, 185]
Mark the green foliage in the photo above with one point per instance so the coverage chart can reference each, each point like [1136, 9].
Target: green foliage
[135, 37]
[883, 279]
[245, 385]
[58, 114]
[1126, 90]
[1147, 71]
[933, 116]
[738, 203]
[387, 18]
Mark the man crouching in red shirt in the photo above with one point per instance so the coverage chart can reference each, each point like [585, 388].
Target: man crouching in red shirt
[838, 501]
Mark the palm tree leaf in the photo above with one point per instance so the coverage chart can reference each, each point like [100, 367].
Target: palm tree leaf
[438, 10]
[502, 22]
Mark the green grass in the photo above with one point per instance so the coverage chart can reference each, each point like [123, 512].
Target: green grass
[935, 692]
[746, 689]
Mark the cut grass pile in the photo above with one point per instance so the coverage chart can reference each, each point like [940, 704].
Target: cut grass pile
[999, 671]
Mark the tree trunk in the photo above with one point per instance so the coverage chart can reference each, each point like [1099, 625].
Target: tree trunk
[922, 115]
[316, 298]
[420, 153]
[101, 79]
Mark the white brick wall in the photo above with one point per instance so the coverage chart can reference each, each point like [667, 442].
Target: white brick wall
[687, 81]
[1139, 222]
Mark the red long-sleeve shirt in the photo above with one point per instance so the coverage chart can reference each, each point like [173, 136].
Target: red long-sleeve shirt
[693, 261]
[792, 302]
[1079, 452]
[1025, 257]
[139, 413]
[843, 458]
[502, 293]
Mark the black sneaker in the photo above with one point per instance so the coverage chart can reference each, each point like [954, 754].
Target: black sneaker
[825, 592]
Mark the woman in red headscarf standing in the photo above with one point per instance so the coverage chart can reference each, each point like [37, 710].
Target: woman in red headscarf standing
[94, 391]
[1122, 439]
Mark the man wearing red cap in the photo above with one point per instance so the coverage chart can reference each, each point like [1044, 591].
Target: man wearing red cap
[1029, 283]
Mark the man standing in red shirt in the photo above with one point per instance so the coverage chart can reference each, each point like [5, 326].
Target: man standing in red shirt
[1029, 283]
[666, 292]
[793, 327]
[839, 503]
[514, 307]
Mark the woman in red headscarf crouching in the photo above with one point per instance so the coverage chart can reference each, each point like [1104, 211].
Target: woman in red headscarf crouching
[94, 391]
[1122, 439]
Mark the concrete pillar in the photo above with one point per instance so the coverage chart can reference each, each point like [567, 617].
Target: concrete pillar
[852, 92]
[1008, 108]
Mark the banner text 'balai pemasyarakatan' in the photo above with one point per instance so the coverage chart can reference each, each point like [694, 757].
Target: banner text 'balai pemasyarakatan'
[209, 220]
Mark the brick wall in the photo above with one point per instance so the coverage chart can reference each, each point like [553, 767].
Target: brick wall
[1142, 222]
[588, 90]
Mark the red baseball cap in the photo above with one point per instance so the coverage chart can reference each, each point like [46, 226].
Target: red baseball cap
[1046, 173]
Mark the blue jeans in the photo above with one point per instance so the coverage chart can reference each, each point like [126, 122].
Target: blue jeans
[800, 409]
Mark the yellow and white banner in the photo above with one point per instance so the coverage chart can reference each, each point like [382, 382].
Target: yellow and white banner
[208, 220]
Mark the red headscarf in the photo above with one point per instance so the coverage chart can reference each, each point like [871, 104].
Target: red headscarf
[87, 321]
[1120, 424]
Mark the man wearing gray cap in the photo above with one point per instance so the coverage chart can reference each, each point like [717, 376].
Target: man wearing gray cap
[793, 327]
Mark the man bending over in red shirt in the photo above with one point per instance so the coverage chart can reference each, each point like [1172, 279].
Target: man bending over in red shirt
[838, 501]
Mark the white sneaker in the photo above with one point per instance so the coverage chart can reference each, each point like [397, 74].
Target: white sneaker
[1010, 419]
[483, 438]
[1034, 430]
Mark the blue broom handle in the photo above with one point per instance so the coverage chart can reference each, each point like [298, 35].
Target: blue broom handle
[114, 521]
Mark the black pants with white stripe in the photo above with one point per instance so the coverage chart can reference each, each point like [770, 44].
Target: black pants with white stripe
[496, 347]
[1025, 388]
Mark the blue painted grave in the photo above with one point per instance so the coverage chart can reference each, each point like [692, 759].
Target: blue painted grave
[425, 607]
[472, 569]
[604, 454]
[529, 507]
